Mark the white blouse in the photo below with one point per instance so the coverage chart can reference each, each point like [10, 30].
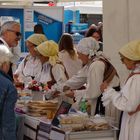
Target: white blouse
[45, 76]
[91, 74]
[72, 65]
[127, 100]
[58, 72]
[60, 77]
[29, 67]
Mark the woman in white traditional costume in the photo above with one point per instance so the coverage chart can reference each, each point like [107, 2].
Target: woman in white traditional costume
[128, 99]
[96, 69]
[30, 67]
[53, 71]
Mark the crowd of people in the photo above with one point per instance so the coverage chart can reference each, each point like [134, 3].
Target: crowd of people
[82, 71]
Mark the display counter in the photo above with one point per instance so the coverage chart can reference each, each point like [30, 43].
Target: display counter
[29, 130]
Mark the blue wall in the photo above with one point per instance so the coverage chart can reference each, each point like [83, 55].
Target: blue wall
[52, 28]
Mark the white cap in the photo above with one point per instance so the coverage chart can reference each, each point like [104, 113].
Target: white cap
[88, 46]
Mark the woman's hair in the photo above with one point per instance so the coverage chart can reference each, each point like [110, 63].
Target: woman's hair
[66, 43]
[5, 54]
[91, 31]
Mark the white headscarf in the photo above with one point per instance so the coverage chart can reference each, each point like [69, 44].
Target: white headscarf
[88, 46]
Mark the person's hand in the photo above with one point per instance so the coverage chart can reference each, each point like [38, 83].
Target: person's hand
[15, 76]
[69, 93]
[19, 85]
[103, 86]
[56, 94]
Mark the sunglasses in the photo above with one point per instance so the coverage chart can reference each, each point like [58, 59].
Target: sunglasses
[18, 34]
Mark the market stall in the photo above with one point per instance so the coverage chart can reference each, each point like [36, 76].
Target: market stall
[72, 126]
[57, 118]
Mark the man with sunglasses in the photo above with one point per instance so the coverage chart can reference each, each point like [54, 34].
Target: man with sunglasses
[10, 36]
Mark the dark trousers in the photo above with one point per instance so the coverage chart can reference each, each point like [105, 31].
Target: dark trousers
[120, 121]
[100, 109]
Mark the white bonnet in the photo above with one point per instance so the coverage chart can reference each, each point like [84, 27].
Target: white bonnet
[88, 46]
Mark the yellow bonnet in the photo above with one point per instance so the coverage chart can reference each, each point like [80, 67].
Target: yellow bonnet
[37, 39]
[131, 50]
[49, 49]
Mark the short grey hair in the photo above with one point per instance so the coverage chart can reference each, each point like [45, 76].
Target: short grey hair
[5, 54]
[8, 26]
